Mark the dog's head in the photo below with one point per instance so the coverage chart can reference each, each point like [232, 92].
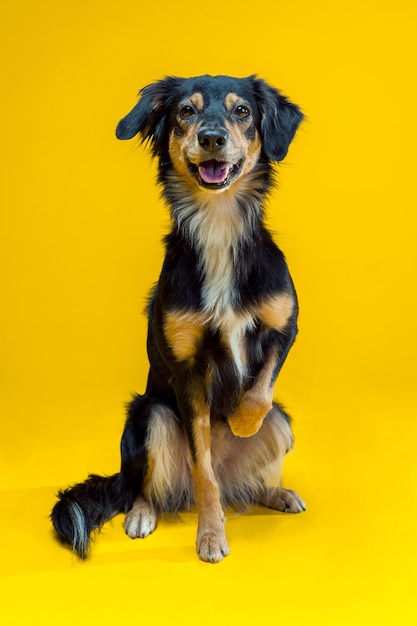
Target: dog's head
[213, 129]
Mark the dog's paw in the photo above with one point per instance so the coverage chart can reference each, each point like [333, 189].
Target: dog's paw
[284, 500]
[141, 519]
[212, 546]
[248, 418]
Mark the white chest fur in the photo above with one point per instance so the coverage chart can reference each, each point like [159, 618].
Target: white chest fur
[217, 228]
[233, 330]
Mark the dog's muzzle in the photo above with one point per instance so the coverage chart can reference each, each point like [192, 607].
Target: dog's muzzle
[215, 172]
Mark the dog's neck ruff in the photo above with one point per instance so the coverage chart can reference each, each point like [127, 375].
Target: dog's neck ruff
[217, 228]
[217, 225]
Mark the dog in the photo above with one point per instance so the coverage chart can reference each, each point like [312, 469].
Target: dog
[222, 318]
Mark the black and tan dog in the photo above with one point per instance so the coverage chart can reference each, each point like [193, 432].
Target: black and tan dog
[222, 319]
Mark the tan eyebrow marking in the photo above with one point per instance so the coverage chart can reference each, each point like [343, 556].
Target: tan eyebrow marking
[231, 100]
[197, 100]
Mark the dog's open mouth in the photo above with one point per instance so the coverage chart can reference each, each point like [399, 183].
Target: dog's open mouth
[214, 174]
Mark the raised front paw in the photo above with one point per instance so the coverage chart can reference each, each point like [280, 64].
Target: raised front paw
[249, 417]
[212, 546]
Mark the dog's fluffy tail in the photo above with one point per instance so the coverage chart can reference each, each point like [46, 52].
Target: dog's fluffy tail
[86, 506]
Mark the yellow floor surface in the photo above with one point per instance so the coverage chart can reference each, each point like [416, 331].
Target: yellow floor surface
[80, 230]
[350, 559]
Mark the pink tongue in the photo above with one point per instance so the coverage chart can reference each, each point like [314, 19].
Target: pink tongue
[213, 171]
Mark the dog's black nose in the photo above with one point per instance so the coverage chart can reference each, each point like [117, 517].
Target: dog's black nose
[212, 139]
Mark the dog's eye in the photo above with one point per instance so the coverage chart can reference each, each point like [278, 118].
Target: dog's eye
[242, 111]
[187, 111]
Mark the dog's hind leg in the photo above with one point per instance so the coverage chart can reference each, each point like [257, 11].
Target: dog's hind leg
[141, 519]
[280, 499]
[271, 444]
[166, 484]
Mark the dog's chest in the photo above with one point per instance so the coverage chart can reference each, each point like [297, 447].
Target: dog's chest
[233, 329]
[218, 285]
[201, 336]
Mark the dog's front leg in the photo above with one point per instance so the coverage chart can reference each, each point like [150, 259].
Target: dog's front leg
[212, 544]
[256, 402]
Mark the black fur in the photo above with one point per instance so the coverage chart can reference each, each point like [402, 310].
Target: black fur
[259, 274]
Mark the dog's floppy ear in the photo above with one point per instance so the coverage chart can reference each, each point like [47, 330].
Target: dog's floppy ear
[148, 117]
[280, 119]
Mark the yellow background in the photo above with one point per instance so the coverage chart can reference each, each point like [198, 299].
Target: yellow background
[81, 224]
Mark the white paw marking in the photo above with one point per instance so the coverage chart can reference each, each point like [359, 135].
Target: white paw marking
[140, 521]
